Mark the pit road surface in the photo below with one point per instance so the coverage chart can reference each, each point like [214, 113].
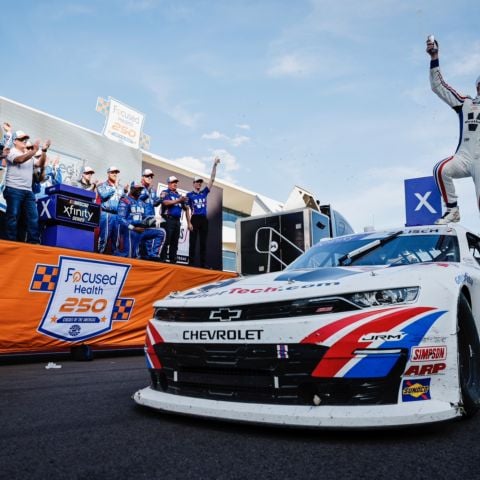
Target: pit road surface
[79, 422]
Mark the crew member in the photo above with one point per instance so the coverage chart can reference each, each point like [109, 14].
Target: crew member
[198, 225]
[151, 200]
[86, 181]
[109, 193]
[136, 229]
[173, 204]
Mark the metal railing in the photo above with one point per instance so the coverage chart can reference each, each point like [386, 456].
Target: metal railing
[269, 252]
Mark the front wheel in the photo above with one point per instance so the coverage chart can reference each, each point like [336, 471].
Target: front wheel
[468, 358]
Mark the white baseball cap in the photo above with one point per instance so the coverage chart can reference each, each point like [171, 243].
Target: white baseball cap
[20, 135]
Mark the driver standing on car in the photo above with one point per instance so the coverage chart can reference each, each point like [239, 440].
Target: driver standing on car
[466, 160]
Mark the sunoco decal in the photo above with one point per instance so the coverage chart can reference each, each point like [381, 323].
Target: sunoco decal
[84, 297]
[414, 390]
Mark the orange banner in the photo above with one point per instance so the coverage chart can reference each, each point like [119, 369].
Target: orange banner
[55, 298]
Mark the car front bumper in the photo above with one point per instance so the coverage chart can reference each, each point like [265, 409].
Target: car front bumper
[372, 416]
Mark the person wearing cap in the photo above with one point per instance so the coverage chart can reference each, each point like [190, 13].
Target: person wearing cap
[109, 193]
[466, 160]
[198, 225]
[18, 186]
[47, 176]
[151, 200]
[135, 231]
[86, 181]
[173, 205]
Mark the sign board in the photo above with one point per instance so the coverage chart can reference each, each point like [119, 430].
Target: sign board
[123, 124]
[423, 204]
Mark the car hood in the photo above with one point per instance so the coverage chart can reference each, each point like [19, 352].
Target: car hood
[305, 283]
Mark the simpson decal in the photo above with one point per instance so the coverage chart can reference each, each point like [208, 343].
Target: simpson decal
[85, 297]
[423, 354]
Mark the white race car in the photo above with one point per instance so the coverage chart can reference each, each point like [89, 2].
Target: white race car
[374, 329]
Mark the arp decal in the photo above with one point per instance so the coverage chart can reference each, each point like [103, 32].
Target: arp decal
[84, 297]
[427, 369]
[415, 390]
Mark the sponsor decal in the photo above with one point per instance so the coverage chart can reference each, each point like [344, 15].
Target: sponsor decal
[385, 336]
[249, 334]
[464, 278]
[225, 314]
[282, 351]
[243, 291]
[413, 231]
[415, 390]
[421, 354]
[345, 335]
[427, 369]
[84, 297]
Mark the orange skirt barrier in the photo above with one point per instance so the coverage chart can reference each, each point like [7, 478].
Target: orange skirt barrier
[54, 298]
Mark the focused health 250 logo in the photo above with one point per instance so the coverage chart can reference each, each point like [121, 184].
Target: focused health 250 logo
[85, 297]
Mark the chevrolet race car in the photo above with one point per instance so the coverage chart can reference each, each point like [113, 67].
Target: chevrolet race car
[373, 329]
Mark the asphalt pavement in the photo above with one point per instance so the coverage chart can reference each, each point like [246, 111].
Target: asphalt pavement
[80, 422]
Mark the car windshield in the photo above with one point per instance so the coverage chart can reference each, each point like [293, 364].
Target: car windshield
[400, 250]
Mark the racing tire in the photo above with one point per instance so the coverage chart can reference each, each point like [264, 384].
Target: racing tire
[468, 359]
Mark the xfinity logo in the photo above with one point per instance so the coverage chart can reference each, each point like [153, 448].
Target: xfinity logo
[80, 211]
[225, 314]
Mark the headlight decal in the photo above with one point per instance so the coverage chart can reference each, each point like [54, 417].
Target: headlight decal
[341, 361]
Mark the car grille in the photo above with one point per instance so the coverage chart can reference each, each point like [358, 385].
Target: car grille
[264, 373]
[256, 311]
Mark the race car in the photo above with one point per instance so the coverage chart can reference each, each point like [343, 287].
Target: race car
[374, 329]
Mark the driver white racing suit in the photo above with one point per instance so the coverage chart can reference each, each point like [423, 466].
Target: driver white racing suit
[466, 160]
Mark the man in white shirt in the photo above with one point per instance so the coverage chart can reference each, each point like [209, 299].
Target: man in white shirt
[18, 186]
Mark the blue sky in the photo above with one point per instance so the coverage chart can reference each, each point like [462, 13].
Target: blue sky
[331, 96]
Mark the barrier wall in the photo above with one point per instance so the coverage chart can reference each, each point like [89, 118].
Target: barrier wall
[54, 298]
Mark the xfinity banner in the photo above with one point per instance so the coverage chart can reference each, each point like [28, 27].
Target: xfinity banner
[123, 124]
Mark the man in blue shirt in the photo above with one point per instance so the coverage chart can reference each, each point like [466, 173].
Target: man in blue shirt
[198, 225]
[173, 204]
[134, 228]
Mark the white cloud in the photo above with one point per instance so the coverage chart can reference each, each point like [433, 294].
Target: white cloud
[236, 141]
[228, 164]
[192, 163]
[215, 135]
[243, 126]
[291, 65]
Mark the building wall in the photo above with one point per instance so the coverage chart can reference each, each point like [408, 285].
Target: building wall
[75, 145]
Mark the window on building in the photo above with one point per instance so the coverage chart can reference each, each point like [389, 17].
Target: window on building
[229, 217]
[229, 261]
